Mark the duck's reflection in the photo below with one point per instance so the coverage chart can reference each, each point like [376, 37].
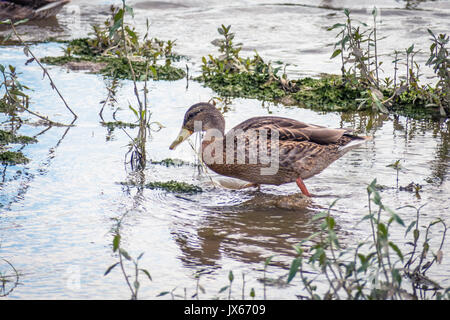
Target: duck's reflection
[250, 232]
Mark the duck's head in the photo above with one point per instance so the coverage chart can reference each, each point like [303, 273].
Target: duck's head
[200, 117]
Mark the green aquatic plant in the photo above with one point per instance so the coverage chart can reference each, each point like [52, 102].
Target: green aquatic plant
[357, 47]
[397, 167]
[117, 47]
[373, 269]
[124, 257]
[15, 99]
[174, 186]
[169, 186]
[235, 76]
[13, 158]
[9, 137]
[168, 162]
[439, 60]
[361, 86]
[111, 125]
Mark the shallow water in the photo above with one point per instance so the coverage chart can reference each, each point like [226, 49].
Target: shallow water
[58, 211]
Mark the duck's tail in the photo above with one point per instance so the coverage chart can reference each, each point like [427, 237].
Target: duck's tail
[355, 141]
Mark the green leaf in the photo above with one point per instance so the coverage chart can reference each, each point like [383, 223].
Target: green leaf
[416, 234]
[382, 230]
[114, 28]
[21, 21]
[116, 242]
[411, 225]
[320, 215]
[336, 53]
[374, 11]
[410, 49]
[336, 25]
[134, 111]
[294, 268]
[163, 293]
[396, 275]
[396, 249]
[266, 263]
[110, 268]
[125, 254]
[330, 222]
[230, 276]
[394, 216]
[223, 289]
[129, 10]
[154, 72]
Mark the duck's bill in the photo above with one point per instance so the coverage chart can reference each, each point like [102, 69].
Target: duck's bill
[183, 135]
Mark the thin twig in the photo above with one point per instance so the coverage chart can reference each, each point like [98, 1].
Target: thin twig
[52, 83]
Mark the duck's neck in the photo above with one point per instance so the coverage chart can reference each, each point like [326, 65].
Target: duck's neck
[212, 135]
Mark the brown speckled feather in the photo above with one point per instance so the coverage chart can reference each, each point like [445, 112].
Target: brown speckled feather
[293, 130]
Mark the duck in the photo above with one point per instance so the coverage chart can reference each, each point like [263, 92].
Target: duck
[267, 150]
[30, 9]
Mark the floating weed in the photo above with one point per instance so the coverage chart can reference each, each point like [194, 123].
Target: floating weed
[169, 186]
[174, 186]
[111, 125]
[168, 162]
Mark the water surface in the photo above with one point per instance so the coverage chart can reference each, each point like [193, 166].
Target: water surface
[58, 211]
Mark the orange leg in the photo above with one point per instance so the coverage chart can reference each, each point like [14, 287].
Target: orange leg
[302, 187]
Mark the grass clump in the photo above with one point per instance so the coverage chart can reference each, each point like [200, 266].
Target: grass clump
[150, 57]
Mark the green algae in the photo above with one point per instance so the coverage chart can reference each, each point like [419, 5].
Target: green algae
[169, 186]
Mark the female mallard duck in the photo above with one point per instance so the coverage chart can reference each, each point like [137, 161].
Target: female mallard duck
[266, 150]
[30, 9]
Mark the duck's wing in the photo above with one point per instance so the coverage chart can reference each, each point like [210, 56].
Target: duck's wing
[293, 130]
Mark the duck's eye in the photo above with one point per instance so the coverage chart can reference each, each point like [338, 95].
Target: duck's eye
[191, 115]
